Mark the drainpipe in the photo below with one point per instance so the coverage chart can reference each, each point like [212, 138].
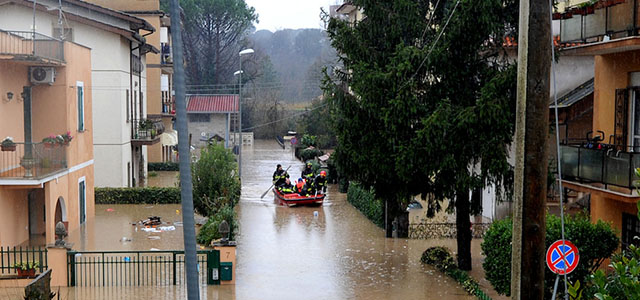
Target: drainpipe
[28, 142]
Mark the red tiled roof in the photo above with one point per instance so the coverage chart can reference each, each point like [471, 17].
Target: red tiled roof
[212, 103]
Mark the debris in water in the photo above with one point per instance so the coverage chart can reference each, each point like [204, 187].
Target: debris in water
[315, 213]
[177, 211]
[151, 221]
[110, 209]
[154, 249]
[127, 259]
[125, 239]
[148, 207]
[153, 237]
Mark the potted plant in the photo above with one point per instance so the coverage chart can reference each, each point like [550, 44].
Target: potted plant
[8, 144]
[50, 141]
[26, 269]
[66, 138]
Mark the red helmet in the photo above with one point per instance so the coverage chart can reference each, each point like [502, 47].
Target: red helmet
[323, 173]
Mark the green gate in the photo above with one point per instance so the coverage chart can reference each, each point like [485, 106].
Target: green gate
[138, 268]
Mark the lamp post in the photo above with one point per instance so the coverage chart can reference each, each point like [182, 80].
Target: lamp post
[239, 73]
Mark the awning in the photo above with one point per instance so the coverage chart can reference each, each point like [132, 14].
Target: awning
[575, 95]
[169, 138]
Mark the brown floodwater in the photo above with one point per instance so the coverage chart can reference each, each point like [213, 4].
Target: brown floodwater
[326, 252]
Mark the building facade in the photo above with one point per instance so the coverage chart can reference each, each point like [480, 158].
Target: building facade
[210, 118]
[44, 180]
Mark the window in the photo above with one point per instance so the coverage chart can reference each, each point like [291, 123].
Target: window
[82, 199]
[630, 229]
[128, 109]
[80, 90]
[65, 34]
[199, 118]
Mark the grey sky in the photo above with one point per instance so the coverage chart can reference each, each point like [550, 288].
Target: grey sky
[282, 14]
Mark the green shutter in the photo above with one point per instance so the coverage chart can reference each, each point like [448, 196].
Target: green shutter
[80, 108]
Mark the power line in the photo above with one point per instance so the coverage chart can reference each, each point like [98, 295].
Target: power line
[286, 118]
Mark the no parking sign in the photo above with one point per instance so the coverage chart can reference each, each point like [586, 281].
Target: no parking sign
[562, 257]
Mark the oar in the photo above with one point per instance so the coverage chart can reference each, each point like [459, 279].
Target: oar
[265, 193]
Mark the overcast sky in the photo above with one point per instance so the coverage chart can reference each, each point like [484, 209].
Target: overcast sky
[294, 14]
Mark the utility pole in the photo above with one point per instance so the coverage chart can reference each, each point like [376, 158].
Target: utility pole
[532, 118]
[186, 187]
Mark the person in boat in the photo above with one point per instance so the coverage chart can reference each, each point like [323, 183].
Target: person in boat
[320, 182]
[308, 188]
[307, 173]
[279, 176]
[300, 186]
[287, 187]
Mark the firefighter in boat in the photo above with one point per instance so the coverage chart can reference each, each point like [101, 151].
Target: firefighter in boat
[287, 187]
[320, 182]
[279, 176]
[307, 173]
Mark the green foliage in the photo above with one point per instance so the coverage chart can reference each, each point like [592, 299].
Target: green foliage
[213, 32]
[411, 115]
[318, 124]
[26, 265]
[441, 259]
[574, 290]
[141, 195]
[624, 281]
[209, 230]
[215, 180]
[308, 140]
[163, 166]
[366, 202]
[309, 154]
[595, 243]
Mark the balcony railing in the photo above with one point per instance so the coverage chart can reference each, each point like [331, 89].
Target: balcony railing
[605, 166]
[616, 21]
[32, 161]
[168, 105]
[29, 44]
[165, 50]
[147, 130]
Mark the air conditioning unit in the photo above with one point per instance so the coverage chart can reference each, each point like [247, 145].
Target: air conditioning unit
[42, 75]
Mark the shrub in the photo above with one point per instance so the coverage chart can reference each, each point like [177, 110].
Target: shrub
[309, 140]
[215, 180]
[624, 281]
[595, 242]
[365, 201]
[209, 230]
[441, 259]
[308, 154]
[163, 166]
[142, 195]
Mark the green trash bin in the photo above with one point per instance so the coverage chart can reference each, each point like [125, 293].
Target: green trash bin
[226, 271]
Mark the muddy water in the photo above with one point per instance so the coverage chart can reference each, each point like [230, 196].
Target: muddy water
[290, 253]
[283, 253]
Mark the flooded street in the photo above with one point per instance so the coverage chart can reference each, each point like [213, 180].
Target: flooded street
[283, 252]
[288, 253]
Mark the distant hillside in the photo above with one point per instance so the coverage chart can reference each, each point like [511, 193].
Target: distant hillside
[298, 57]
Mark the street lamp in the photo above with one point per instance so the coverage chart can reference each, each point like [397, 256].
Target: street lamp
[239, 73]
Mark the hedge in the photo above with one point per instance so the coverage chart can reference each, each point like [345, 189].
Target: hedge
[595, 243]
[163, 166]
[143, 195]
[365, 201]
[209, 230]
[441, 259]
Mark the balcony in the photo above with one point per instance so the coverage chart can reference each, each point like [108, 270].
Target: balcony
[604, 170]
[147, 131]
[168, 105]
[607, 26]
[31, 48]
[32, 161]
[166, 58]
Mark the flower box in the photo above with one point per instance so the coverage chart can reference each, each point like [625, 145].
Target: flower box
[26, 273]
[9, 148]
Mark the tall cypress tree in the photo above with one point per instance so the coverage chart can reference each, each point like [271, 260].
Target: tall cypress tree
[426, 103]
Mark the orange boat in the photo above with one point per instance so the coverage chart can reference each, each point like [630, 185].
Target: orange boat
[296, 199]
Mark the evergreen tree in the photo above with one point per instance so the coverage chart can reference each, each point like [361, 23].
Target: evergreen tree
[426, 104]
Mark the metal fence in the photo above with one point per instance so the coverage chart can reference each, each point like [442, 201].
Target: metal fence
[32, 161]
[27, 43]
[138, 268]
[147, 129]
[9, 256]
[616, 21]
[424, 231]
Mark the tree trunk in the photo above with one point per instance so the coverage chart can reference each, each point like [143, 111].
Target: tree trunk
[389, 216]
[463, 226]
[397, 219]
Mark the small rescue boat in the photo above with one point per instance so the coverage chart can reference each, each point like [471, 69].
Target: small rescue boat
[296, 199]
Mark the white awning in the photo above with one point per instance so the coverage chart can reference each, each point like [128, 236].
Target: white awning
[169, 138]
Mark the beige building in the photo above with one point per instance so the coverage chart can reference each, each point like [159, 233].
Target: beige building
[43, 92]
[211, 117]
[159, 102]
